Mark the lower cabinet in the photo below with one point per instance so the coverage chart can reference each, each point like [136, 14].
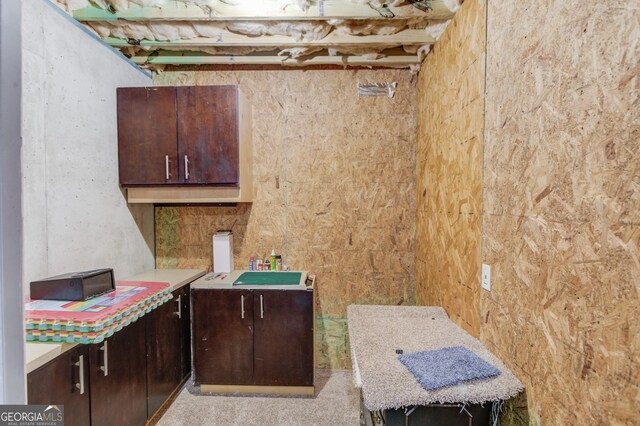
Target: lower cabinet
[251, 337]
[118, 377]
[283, 338]
[185, 321]
[168, 349]
[223, 336]
[125, 379]
[100, 384]
[64, 381]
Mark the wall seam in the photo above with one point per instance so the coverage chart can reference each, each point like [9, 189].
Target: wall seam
[45, 87]
[484, 143]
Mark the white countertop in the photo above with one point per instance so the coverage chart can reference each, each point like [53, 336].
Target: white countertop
[38, 354]
[225, 282]
[175, 277]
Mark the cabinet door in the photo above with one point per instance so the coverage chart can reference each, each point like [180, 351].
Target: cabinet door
[64, 381]
[223, 337]
[185, 332]
[164, 352]
[119, 378]
[147, 136]
[283, 340]
[208, 134]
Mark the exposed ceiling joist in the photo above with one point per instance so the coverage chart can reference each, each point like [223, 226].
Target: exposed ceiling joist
[269, 32]
[320, 10]
[395, 59]
[409, 37]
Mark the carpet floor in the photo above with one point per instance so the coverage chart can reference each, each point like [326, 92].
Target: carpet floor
[336, 403]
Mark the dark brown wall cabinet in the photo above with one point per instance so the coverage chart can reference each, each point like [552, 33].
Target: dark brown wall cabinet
[251, 337]
[147, 136]
[125, 379]
[179, 135]
[208, 139]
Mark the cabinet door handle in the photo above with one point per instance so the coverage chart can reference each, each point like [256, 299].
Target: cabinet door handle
[186, 167]
[105, 366]
[166, 167]
[261, 307]
[242, 306]
[179, 302]
[80, 365]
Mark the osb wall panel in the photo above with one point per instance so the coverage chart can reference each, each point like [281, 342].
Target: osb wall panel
[562, 206]
[334, 186]
[449, 169]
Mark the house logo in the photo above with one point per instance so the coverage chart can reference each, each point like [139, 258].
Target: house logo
[31, 415]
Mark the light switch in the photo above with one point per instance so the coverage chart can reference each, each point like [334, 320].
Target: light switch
[486, 277]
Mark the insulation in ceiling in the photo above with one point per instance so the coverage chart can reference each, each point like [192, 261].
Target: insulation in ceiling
[150, 35]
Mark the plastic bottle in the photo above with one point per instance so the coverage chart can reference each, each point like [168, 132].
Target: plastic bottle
[272, 260]
[278, 263]
[252, 263]
[259, 264]
[266, 266]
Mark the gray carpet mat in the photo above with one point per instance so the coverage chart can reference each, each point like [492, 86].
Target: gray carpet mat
[376, 332]
[447, 366]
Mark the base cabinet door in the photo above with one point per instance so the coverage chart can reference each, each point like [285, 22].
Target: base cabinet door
[118, 378]
[185, 331]
[223, 336]
[283, 338]
[64, 381]
[164, 352]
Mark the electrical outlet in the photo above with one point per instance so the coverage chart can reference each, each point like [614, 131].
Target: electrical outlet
[486, 277]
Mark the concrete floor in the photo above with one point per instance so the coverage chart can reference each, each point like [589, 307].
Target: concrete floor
[336, 403]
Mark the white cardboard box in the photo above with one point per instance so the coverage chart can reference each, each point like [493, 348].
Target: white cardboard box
[223, 252]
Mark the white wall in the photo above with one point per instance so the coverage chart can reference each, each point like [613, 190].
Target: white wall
[75, 215]
[12, 386]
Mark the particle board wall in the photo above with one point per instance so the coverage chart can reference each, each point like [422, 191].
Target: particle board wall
[449, 169]
[75, 217]
[561, 182]
[562, 206]
[334, 190]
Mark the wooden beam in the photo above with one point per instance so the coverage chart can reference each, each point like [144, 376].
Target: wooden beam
[228, 39]
[260, 11]
[165, 57]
